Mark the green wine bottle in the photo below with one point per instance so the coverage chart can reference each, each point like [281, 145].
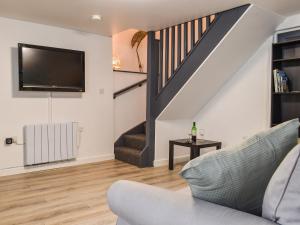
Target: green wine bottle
[194, 132]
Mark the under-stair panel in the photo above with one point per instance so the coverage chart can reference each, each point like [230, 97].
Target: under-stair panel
[234, 50]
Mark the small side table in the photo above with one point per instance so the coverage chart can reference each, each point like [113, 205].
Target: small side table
[194, 148]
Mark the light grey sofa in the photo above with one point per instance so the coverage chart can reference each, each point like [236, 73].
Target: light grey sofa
[140, 204]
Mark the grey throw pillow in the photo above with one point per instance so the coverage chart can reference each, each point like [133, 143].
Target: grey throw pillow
[238, 176]
[282, 197]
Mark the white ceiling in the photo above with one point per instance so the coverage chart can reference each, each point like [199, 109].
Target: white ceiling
[119, 15]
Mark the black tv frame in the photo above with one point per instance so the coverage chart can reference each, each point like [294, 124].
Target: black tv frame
[48, 88]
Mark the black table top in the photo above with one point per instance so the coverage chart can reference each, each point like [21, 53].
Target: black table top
[199, 143]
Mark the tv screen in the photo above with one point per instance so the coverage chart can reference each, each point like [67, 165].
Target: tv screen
[50, 69]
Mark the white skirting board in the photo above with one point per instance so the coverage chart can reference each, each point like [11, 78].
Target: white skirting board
[177, 159]
[46, 143]
[49, 166]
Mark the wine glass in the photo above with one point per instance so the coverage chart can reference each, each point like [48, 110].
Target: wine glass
[189, 138]
[201, 134]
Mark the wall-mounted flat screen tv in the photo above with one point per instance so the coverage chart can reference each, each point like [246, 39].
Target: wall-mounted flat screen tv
[51, 69]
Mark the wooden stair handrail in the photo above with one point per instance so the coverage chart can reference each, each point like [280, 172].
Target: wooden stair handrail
[133, 86]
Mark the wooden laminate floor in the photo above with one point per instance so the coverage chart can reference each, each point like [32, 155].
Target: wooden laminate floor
[73, 195]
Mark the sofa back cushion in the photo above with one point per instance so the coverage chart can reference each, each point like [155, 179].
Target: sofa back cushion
[238, 176]
[282, 198]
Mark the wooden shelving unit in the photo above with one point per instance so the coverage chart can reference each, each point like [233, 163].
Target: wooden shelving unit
[286, 57]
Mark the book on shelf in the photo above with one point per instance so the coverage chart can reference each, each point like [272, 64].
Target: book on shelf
[281, 81]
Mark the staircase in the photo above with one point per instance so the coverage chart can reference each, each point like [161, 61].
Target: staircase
[228, 45]
[129, 147]
[195, 58]
[174, 53]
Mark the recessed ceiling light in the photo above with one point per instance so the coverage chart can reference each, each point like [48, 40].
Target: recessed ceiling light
[97, 17]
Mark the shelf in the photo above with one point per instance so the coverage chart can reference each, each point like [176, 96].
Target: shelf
[287, 42]
[287, 60]
[286, 57]
[287, 93]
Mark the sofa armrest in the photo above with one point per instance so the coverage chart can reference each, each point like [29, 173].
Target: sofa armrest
[140, 204]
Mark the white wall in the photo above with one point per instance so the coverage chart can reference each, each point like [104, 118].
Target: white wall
[166, 130]
[122, 49]
[124, 79]
[240, 109]
[93, 110]
[290, 22]
[129, 108]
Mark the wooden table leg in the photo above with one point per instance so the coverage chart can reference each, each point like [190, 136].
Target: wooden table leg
[195, 152]
[191, 153]
[171, 156]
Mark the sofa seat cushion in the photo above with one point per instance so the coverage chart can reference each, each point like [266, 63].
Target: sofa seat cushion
[141, 204]
[238, 176]
[282, 198]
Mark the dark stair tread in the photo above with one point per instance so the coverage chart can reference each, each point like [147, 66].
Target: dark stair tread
[127, 150]
[141, 137]
[129, 155]
[135, 141]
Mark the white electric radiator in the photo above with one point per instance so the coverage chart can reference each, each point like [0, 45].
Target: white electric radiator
[46, 143]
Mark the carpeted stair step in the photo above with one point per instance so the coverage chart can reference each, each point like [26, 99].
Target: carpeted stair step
[136, 141]
[130, 145]
[129, 155]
